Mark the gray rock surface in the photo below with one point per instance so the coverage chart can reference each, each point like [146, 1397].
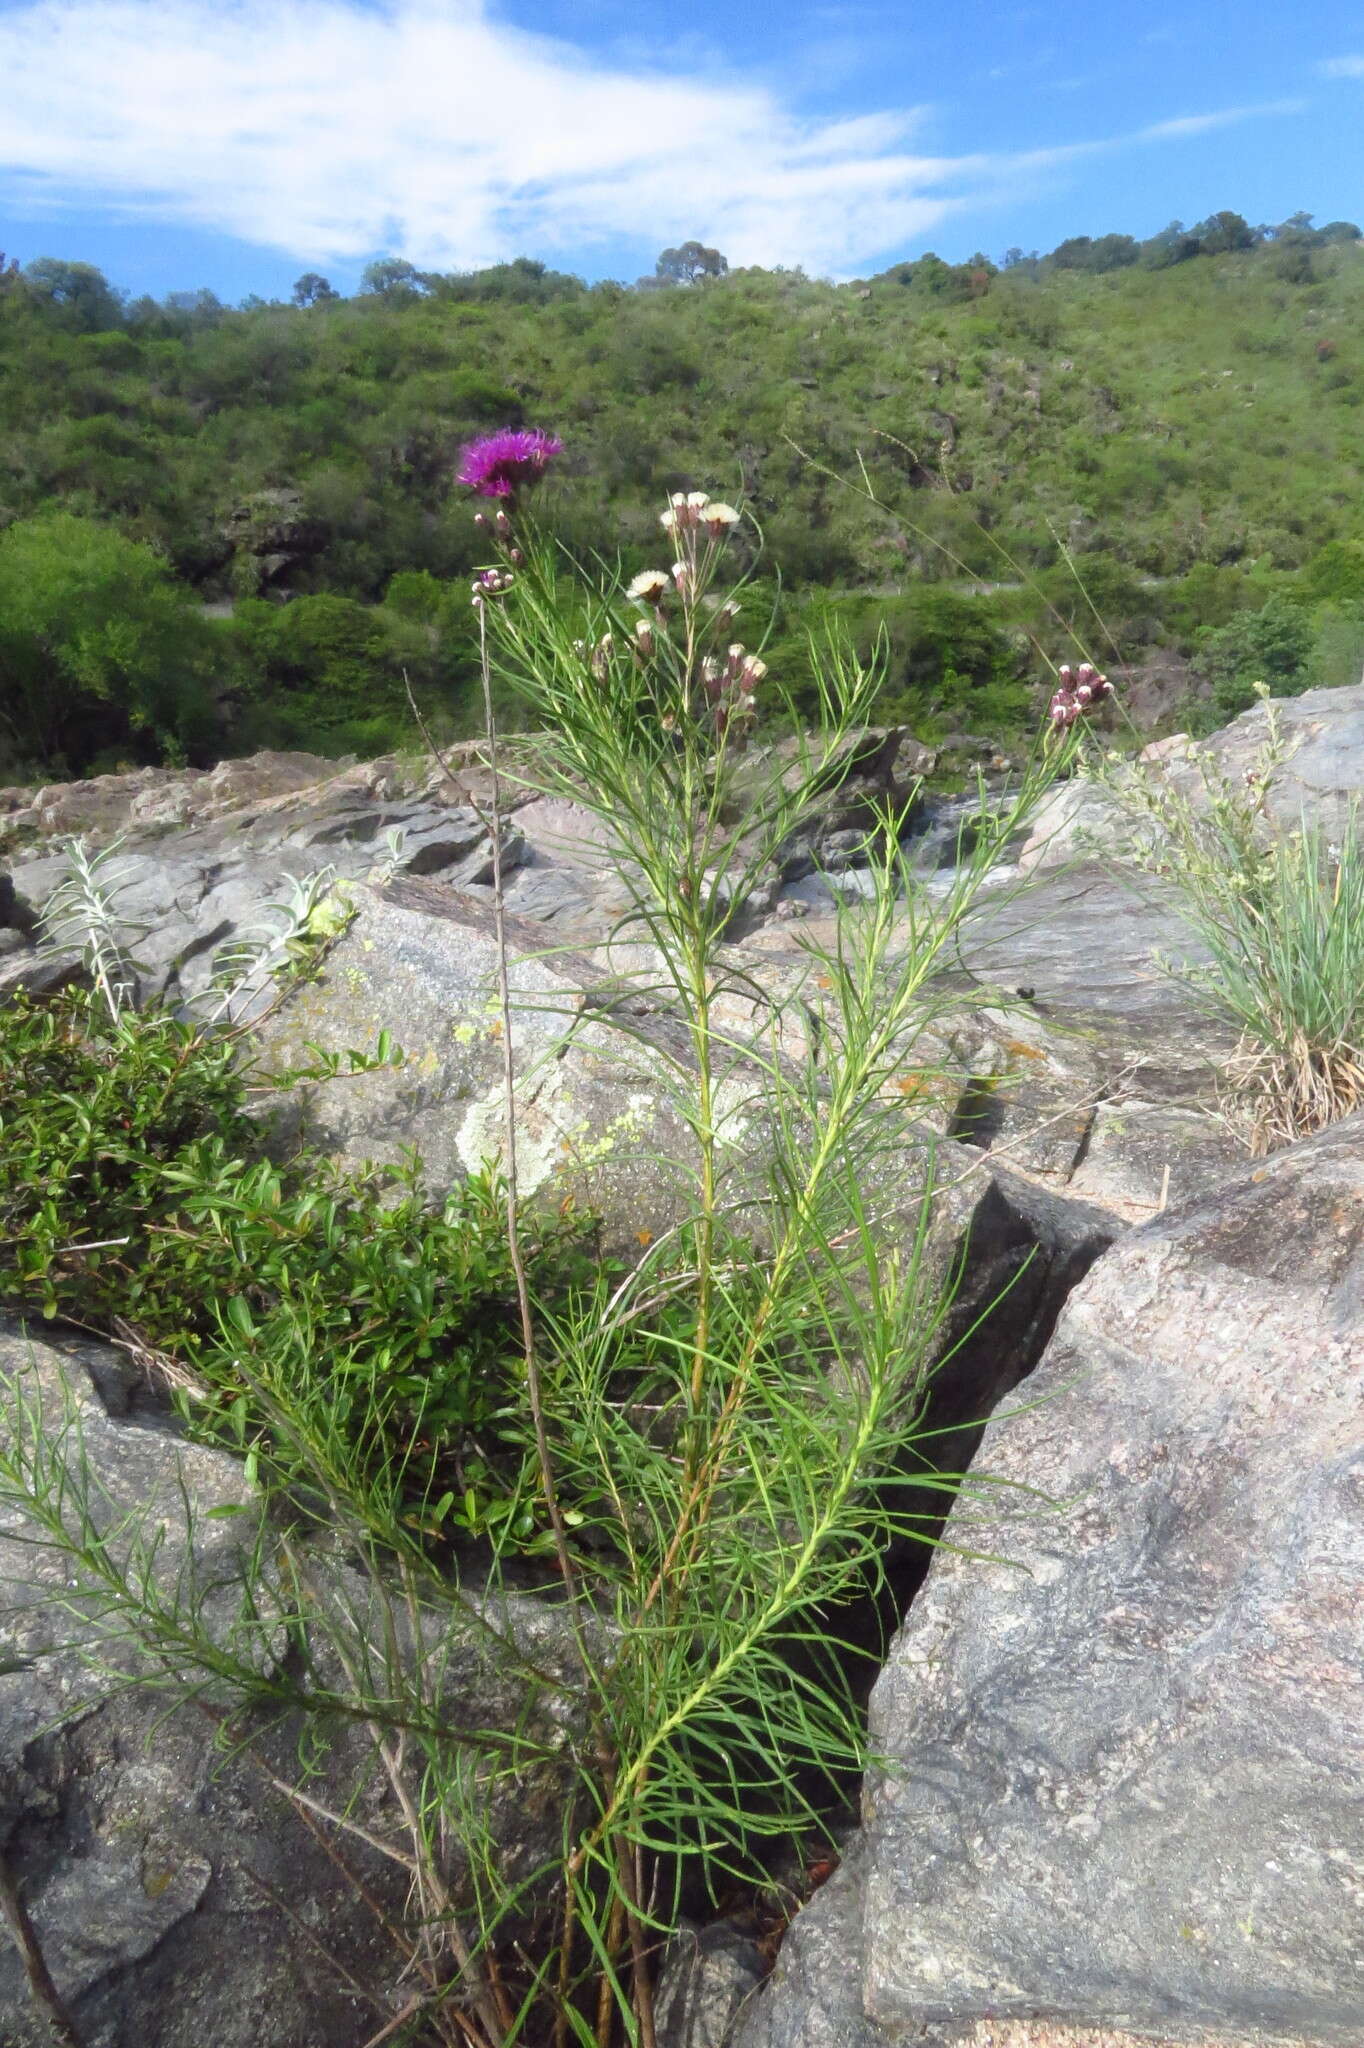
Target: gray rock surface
[178, 1899]
[1084, 941]
[709, 1975]
[146, 1863]
[23, 971]
[205, 860]
[1124, 1740]
[814, 1997]
[1077, 819]
[1143, 1157]
[594, 1121]
[1320, 780]
[1324, 774]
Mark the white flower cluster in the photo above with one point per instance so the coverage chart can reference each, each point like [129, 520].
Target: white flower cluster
[689, 511]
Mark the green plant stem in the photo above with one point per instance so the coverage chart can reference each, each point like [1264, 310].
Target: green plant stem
[779, 1603]
[534, 1383]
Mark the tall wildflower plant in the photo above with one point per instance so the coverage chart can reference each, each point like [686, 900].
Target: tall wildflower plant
[734, 1422]
[721, 1448]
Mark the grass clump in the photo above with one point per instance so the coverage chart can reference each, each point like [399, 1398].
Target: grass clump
[1281, 916]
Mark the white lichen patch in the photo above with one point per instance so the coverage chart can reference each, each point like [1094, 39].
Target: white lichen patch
[552, 1133]
[482, 1140]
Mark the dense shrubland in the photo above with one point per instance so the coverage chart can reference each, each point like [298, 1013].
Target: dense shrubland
[1178, 417]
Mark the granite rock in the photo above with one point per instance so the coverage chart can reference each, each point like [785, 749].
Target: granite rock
[1121, 1732]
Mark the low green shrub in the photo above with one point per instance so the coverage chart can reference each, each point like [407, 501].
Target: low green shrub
[1272, 646]
[135, 1200]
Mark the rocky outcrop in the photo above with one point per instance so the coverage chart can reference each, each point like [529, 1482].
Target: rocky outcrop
[1122, 1730]
[597, 1119]
[1117, 1737]
[148, 1868]
[594, 1118]
[1323, 777]
[104, 805]
[274, 531]
[207, 860]
[1319, 781]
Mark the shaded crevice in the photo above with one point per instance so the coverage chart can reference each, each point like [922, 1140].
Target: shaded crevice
[1022, 1253]
[1105, 1094]
[979, 1115]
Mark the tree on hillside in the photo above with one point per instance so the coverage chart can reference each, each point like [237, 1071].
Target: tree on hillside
[690, 263]
[195, 309]
[81, 297]
[524, 281]
[1270, 646]
[1174, 244]
[312, 289]
[1109, 252]
[392, 277]
[1224, 231]
[100, 648]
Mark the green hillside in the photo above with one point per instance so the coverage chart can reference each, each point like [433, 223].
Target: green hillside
[1188, 431]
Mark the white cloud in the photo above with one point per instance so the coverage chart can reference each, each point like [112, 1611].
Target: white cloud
[1342, 67]
[332, 129]
[1204, 124]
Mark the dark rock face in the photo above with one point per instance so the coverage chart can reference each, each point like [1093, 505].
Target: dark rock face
[274, 527]
[15, 914]
[708, 1976]
[1124, 1741]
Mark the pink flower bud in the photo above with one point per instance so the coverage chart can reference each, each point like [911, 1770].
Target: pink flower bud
[492, 582]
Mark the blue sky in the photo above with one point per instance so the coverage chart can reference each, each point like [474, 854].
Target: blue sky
[235, 143]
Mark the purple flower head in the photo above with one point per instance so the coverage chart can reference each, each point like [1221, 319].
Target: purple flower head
[499, 464]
